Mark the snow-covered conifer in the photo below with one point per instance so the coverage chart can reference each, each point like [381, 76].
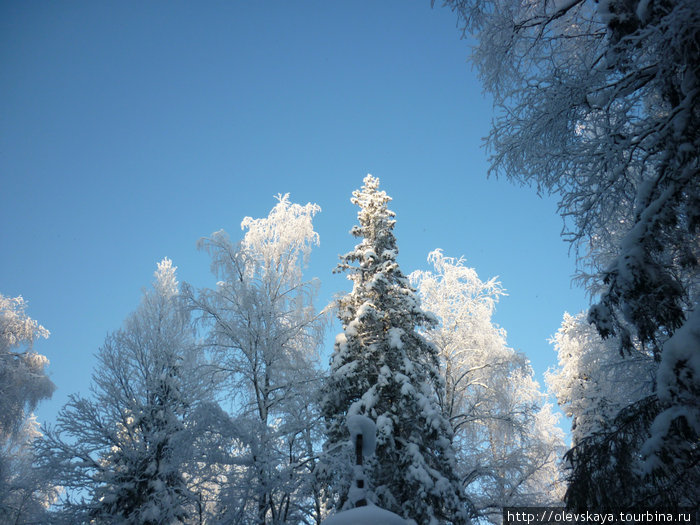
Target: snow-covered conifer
[382, 368]
[612, 402]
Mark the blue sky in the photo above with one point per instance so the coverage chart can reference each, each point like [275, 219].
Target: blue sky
[128, 130]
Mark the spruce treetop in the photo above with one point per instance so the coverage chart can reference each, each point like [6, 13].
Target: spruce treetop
[378, 283]
[374, 216]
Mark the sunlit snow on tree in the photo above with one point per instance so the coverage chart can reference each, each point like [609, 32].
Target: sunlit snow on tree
[598, 103]
[263, 334]
[24, 492]
[129, 453]
[507, 441]
[382, 368]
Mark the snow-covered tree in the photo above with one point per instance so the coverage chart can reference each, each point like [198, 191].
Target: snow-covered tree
[592, 381]
[127, 454]
[23, 380]
[384, 369]
[24, 492]
[598, 103]
[264, 335]
[611, 400]
[507, 442]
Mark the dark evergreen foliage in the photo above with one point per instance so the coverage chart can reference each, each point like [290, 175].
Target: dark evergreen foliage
[384, 369]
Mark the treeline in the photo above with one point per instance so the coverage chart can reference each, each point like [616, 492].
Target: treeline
[212, 405]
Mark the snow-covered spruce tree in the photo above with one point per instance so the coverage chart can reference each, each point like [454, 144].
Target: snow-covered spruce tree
[24, 492]
[610, 398]
[126, 455]
[264, 336]
[507, 442]
[384, 369]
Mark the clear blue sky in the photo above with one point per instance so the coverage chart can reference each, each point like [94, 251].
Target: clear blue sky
[130, 129]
